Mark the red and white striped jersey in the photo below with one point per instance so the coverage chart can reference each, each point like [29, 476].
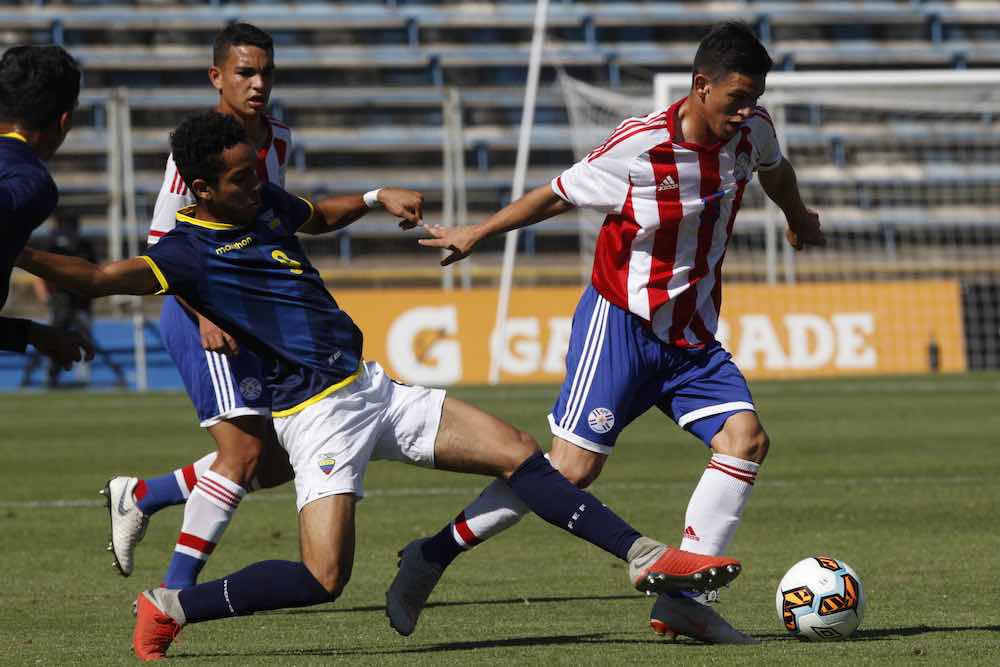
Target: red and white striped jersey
[670, 210]
[272, 159]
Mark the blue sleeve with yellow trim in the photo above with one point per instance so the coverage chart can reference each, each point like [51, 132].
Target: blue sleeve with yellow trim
[176, 263]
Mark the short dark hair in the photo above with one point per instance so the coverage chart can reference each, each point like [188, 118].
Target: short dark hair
[239, 34]
[197, 145]
[731, 47]
[38, 84]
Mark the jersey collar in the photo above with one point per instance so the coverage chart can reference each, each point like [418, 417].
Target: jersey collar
[672, 119]
[183, 215]
[14, 135]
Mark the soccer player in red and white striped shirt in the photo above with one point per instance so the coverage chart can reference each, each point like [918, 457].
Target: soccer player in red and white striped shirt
[225, 383]
[643, 335]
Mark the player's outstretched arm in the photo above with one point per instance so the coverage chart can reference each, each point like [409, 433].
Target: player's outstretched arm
[129, 276]
[335, 213]
[539, 204]
[782, 187]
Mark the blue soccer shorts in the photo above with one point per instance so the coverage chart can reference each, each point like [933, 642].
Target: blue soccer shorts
[616, 370]
[221, 387]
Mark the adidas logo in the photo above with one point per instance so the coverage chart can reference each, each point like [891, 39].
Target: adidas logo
[667, 183]
[689, 533]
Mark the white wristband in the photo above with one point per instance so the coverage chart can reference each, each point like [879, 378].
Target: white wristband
[371, 198]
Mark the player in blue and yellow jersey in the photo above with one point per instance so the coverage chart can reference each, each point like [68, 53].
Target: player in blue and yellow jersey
[39, 86]
[234, 257]
[225, 383]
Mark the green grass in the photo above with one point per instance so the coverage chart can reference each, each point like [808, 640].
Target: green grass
[897, 476]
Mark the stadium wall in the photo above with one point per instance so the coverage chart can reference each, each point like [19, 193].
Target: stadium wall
[774, 331]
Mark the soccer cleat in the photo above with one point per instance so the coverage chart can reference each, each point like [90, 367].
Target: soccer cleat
[674, 616]
[154, 630]
[128, 523]
[409, 591]
[662, 569]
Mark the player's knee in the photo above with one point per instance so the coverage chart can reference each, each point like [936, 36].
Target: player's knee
[522, 448]
[743, 437]
[238, 464]
[580, 473]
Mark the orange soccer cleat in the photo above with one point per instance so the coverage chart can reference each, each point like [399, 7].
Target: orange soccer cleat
[659, 568]
[154, 631]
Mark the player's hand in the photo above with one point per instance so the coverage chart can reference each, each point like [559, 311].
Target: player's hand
[62, 346]
[215, 339]
[405, 204]
[805, 230]
[459, 240]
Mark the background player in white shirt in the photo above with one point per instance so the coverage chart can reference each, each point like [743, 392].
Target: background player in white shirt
[643, 334]
[224, 382]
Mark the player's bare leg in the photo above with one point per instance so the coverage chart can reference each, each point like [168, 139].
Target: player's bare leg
[713, 514]
[327, 539]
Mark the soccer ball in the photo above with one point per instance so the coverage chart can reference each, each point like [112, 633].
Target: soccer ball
[821, 598]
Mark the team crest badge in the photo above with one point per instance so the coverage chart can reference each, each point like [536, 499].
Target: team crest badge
[601, 420]
[742, 170]
[327, 463]
[251, 388]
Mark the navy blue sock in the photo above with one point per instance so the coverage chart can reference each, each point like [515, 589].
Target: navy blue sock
[442, 548]
[552, 497]
[269, 584]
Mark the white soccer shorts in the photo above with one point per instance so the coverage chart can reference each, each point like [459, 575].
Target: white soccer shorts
[330, 443]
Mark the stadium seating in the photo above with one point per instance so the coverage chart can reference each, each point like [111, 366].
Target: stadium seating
[362, 83]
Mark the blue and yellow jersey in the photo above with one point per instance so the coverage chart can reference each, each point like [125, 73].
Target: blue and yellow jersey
[256, 283]
[28, 196]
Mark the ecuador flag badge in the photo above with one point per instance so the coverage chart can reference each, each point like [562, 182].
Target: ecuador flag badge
[326, 463]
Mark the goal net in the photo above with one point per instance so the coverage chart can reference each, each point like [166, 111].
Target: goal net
[904, 169]
[593, 112]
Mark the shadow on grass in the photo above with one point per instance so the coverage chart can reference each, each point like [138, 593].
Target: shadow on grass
[464, 603]
[883, 634]
[517, 642]
[876, 634]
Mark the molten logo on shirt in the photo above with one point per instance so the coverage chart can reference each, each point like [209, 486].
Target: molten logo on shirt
[235, 245]
[601, 420]
[327, 463]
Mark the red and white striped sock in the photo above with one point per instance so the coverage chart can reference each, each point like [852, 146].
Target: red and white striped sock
[208, 511]
[189, 475]
[716, 506]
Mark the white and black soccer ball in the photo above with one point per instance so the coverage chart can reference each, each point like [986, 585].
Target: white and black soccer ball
[821, 599]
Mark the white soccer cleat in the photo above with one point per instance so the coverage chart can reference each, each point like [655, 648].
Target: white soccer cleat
[128, 523]
[409, 591]
[673, 616]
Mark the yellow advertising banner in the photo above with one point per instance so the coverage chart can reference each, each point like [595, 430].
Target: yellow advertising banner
[438, 338]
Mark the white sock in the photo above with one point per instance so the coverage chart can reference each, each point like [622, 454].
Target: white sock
[716, 506]
[495, 510]
[207, 513]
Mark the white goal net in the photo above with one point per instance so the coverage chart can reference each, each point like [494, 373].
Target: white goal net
[904, 169]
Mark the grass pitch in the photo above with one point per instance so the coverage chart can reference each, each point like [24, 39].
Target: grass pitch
[897, 476]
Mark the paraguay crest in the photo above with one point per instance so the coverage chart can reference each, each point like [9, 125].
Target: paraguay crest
[742, 170]
[327, 463]
[601, 420]
[251, 388]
